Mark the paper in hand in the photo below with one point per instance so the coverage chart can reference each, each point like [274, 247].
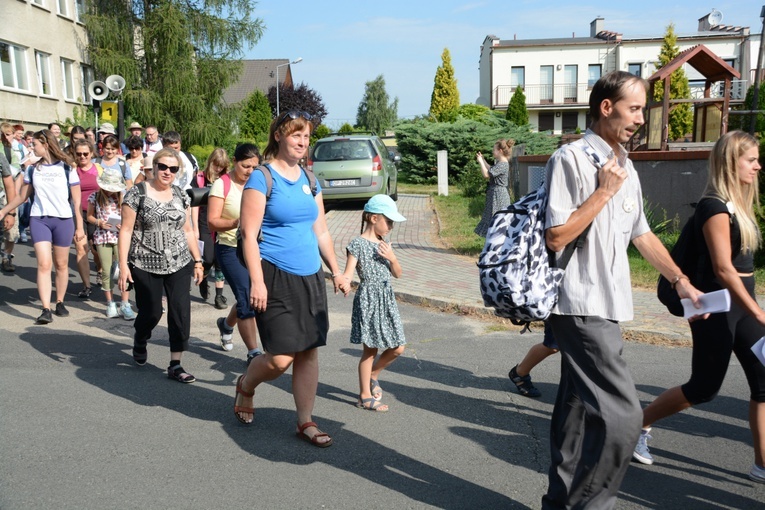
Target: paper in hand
[113, 220]
[759, 350]
[711, 302]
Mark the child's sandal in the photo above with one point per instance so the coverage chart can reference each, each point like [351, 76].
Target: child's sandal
[370, 404]
[375, 389]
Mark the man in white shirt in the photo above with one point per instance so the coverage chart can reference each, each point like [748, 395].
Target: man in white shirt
[597, 416]
[184, 176]
[152, 143]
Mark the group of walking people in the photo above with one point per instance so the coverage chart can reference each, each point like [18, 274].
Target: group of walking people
[597, 424]
[264, 230]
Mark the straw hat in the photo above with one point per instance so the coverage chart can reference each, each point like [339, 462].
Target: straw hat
[135, 125]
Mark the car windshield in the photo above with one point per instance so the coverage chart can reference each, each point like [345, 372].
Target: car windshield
[340, 150]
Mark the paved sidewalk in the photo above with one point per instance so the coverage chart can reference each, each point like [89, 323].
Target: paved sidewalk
[437, 276]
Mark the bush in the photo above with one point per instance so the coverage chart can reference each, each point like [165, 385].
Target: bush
[471, 183]
[419, 141]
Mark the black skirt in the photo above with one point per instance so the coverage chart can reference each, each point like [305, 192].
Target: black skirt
[296, 317]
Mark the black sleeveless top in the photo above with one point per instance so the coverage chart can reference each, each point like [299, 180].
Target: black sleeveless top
[706, 208]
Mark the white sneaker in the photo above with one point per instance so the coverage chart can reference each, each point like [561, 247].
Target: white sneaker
[226, 334]
[111, 310]
[641, 452]
[757, 474]
[126, 311]
[23, 238]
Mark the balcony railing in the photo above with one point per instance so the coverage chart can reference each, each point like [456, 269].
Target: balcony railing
[579, 93]
[567, 93]
[737, 90]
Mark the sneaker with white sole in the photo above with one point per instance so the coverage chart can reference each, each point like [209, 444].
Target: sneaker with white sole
[641, 452]
[226, 334]
[126, 311]
[757, 474]
[111, 310]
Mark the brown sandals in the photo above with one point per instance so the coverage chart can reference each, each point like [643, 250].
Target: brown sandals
[242, 409]
[313, 440]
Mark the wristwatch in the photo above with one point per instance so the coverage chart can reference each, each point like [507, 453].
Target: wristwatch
[200, 261]
[12, 214]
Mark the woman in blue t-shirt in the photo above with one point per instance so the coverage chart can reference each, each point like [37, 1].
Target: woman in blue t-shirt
[287, 286]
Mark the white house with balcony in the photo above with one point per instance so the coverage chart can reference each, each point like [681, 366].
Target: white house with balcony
[557, 74]
[43, 69]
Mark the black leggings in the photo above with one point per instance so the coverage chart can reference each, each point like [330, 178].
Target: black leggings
[713, 341]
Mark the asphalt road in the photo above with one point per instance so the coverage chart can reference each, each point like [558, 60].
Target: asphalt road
[82, 427]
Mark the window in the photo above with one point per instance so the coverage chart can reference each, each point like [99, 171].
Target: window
[593, 74]
[517, 77]
[67, 75]
[636, 69]
[570, 77]
[546, 121]
[41, 3]
[80, 8]
[13, 66]
[546, 84]
[43, 73]
[570, 122]
[86, 78]
[62, 7]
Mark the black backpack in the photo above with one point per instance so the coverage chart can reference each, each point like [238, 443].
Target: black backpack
[686, 255]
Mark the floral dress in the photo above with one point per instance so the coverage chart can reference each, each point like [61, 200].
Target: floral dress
[375, 321]
[497, 196]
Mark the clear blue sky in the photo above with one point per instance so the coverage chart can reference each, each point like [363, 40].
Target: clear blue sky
[345, 44]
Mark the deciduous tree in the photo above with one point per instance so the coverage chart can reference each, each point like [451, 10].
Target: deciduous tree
[445, 98]
[374, 112]
[298, 98]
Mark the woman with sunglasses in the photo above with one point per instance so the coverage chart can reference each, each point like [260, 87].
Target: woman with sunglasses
[88, 173]
[53, 183]
[287, 286]
[158, 252]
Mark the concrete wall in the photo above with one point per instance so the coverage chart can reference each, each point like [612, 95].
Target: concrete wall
[670, 180]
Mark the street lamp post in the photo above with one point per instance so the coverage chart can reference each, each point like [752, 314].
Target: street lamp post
[296, 61]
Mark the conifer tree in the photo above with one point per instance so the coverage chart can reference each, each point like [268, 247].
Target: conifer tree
[445, 98]
[681, 116]
[516, 108]
[177, 58]
[255, 118]
[374, 112]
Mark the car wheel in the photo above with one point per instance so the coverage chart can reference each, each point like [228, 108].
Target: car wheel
[394, 195]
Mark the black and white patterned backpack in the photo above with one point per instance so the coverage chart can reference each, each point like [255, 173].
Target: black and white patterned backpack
[517, 279]
[518, 276]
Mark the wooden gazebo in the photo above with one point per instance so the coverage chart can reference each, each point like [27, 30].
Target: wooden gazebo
[711, 113]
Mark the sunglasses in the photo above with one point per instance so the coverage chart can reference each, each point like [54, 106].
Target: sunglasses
[82, 154]
[173, 169]
[294, 114]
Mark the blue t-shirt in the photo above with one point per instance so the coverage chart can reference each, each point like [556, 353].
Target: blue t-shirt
[288, 238]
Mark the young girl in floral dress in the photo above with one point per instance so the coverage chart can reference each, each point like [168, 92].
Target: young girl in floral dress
[375, 321]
